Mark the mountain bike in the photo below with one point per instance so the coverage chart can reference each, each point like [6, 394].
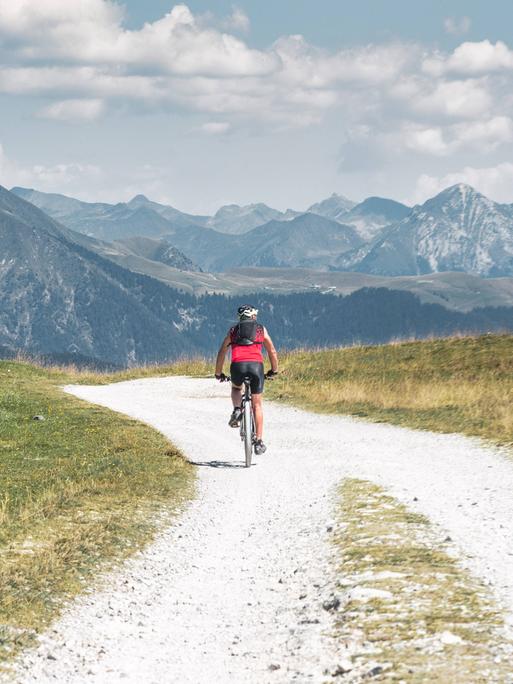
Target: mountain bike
[247, 421]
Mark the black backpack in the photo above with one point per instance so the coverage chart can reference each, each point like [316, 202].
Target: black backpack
[245, 333]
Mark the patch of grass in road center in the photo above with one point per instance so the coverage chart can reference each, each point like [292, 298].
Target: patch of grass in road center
[78, 490]
[447, 385]
[415, 614]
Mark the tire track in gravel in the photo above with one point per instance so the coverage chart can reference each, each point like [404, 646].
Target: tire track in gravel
[233, 591]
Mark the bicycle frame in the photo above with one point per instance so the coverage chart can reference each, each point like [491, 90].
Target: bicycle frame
[247, 423]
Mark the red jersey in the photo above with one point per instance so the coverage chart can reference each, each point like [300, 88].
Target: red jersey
[247, 352]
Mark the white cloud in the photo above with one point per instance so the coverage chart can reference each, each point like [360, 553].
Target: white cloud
[59, 175]
[81, 57]
[237, 21]
[364, 66]
[6, 168]
[494, 182]
[90, 31]
[81, 51]
[73, 110]
[457, 26]
[426, 140]
[43, 177]
[480, 58]
[482, 136]
[463, 99]
[216, 127]
[25, 19]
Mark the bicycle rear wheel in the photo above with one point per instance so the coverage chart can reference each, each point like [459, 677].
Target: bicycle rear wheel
[247, 418]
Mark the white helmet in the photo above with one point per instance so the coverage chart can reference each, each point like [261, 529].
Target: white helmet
[247, 311]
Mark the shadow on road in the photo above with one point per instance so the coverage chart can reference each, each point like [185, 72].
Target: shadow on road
[218, 464]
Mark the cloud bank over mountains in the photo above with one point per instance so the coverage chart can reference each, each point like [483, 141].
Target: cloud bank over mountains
[80, 63]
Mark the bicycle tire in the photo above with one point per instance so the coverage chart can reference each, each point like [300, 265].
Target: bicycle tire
[248, 432]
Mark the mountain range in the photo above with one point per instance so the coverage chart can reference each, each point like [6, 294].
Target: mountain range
[62, 296]
[458, 230]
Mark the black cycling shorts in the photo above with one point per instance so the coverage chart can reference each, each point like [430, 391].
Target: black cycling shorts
[254, 369]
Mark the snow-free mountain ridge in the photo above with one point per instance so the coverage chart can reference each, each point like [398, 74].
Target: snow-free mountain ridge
[458, 230]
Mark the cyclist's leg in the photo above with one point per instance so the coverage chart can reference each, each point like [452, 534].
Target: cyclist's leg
[259, 414]
[236, 375]
[257, 389]
[236, 396]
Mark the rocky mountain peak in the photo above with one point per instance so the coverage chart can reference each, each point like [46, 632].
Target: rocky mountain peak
[332, 207]
[138, 200]
[241, 210]
[460, 194]
[461, 205]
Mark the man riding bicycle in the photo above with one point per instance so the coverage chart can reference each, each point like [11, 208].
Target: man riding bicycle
[246, 340]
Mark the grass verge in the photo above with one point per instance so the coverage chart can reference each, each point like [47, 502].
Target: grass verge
[78, 490]
[414, 613]
[194, 367]
[447, 385]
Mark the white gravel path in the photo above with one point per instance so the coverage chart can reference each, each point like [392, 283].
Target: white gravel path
[237, 585]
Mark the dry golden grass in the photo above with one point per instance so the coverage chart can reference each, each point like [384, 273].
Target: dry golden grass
[78, 491]
[449, 385]
[195, 367]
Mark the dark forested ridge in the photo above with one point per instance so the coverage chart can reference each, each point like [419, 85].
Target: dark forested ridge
[368, 316]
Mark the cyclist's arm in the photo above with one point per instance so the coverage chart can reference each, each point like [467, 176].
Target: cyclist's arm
[271, 351]
[221, 354]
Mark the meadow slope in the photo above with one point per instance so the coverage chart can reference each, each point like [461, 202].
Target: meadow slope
[80, 487]
[458, 384]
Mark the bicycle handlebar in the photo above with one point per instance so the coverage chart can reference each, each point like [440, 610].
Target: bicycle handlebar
[269, 375]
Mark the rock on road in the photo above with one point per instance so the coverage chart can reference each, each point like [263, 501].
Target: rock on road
[233, 590]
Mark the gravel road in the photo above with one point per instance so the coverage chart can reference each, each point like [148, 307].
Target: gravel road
[233, 591]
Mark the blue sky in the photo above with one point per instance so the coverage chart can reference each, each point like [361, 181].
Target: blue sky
[283, 102]
[334, 23]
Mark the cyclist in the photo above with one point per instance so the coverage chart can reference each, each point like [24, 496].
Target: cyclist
[246, 340]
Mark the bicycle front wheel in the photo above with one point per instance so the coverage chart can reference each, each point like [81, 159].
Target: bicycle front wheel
[248, 432]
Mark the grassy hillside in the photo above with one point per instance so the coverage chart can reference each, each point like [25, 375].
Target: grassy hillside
[77, 490]
[448, 385]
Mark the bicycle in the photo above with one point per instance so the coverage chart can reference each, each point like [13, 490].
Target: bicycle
[247, 421]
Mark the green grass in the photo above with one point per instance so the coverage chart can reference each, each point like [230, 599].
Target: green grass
[422, 594]
[78, 491]
[448, 385]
